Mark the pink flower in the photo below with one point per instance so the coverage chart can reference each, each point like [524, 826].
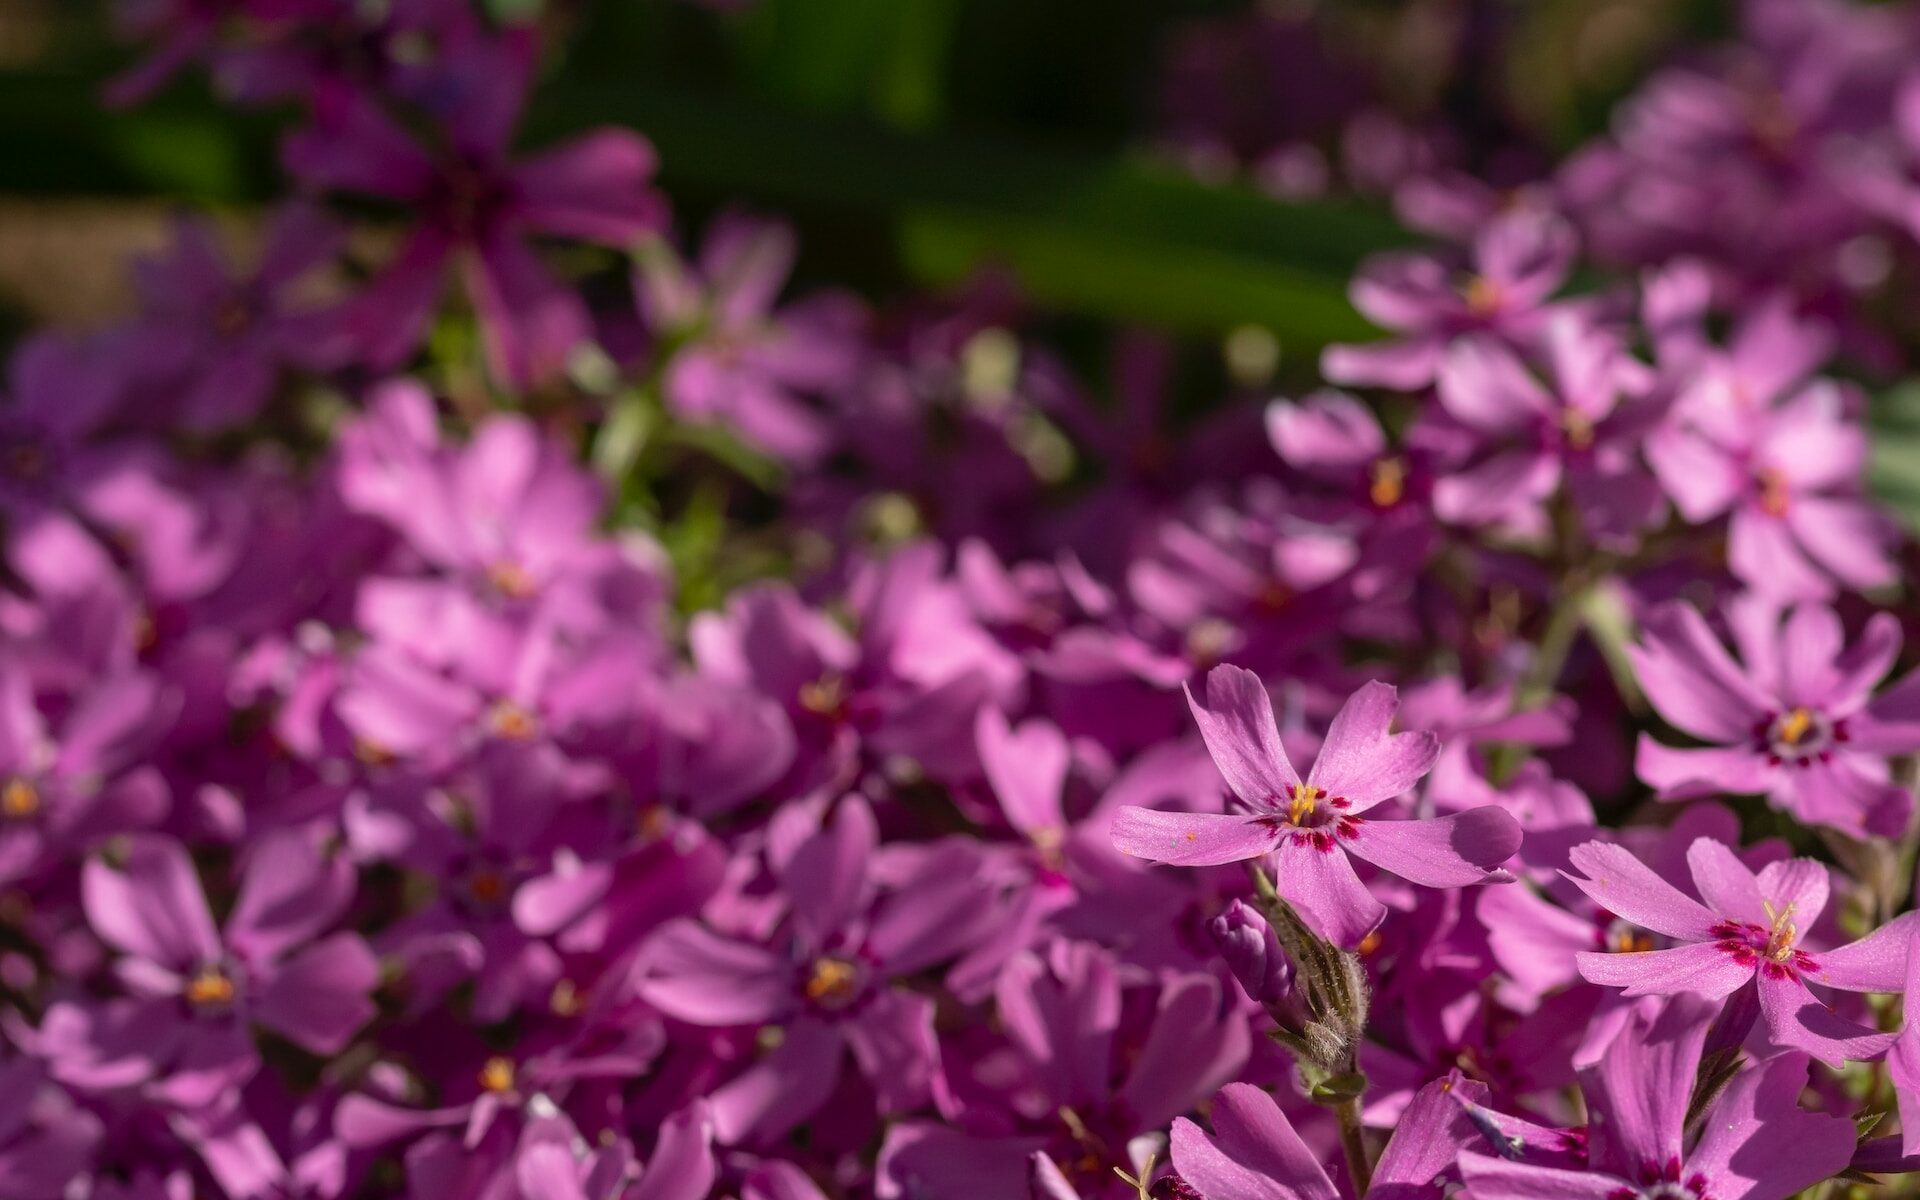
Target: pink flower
[1749, 932]
[1310, 825]
[1797, 720]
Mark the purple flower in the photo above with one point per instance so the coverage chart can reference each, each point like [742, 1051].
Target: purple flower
[193, 991]
[1584, 433]
[743, 362]
[476, 208]
[1748, 932]
[1519, 260]
[1311, 825]
[1753, 1143]
[1255, 1154]
[1790, 476]
[829, 985]
[1797, 720]
[46, 1140]
[224, 337]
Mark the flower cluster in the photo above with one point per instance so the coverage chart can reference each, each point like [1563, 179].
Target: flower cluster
[406, 791]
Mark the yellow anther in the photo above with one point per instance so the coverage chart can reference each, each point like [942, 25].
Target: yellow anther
[1782, 933]
[209, 987]
[824, 696]
[1301, 799]
[1773, 491]
[1577, 426]
[833, 982]
[1794, 726]
[1482, 295]
[19, 799]
[496, 1074]
[510, 579]
[510, 721]
[1388, 484]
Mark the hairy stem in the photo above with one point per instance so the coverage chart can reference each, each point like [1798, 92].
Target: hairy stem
[1353, 1143]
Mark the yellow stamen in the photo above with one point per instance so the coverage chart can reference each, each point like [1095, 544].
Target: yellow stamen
[496, 1074]
[209, 988]
[19, 799]
[1368, 944]
[1388, 484]
[1482, 296]
[1794, 726]
[510, 721]
[833, 982]
[1782, 932]
[1773, 491]
[372, 753]
[510, 579]
[825, 695]
[1301, 799]
[1578, 428]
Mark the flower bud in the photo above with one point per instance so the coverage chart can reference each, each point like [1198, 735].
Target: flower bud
[1252, 953]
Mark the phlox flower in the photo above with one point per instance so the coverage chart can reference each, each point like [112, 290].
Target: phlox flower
[1747, 933]
[1311, 825]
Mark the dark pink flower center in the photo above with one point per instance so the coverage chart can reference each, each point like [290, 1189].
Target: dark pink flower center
[1664, 1183]
[1767, 948]
[1310, 817]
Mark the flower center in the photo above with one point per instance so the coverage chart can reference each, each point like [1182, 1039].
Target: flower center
[497, 1074]
[1772, 483]
[510, 721]
[487, 886]
[1387, 484]
[510, 579]
[19, 799]
[833, 983]
[1577, 428]
[1302, 799]
[1482, 295]
[825, 696]
[1799, 736]
[1771, 949]
[231, 318]
[1781, 932]
[210, 989]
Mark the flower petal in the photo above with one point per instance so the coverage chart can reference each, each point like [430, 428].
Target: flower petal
[1441, 852]
[1254, 1153]
[1364, 763]
[1627, 887]
[1702, 968]
[1237, 724]
[1190, 839]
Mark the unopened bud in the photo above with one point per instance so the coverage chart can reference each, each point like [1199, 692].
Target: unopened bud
[1253, 954]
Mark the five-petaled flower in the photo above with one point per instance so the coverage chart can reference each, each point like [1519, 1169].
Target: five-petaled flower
[1303, 822]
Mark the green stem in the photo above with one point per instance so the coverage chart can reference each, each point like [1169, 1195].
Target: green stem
[1353, 1143]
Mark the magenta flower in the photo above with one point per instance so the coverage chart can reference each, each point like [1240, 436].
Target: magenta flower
[1583, 432]
[1790, 477]
[1518, 261]
[1796, 721]
[829, 984]
[476, 208]
[1754, 1143]
[1748, 932]
[46, 1140]
[1255, 1154]
[193, 990]
[744, 362]
[224, 336]
[1311, 825]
